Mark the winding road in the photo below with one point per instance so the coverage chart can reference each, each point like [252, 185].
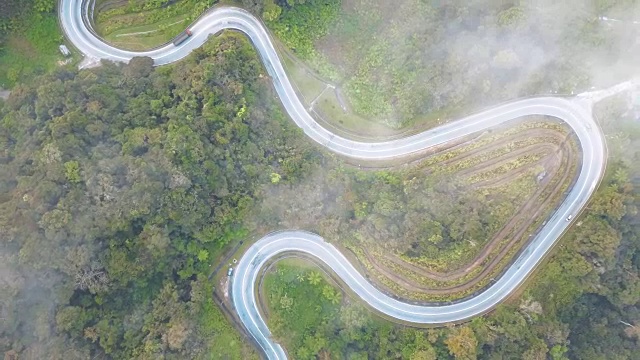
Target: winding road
[74, 18]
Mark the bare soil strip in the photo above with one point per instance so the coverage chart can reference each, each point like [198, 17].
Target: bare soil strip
[548, 163]
[525, 217]
[498, 161]
[528, 134]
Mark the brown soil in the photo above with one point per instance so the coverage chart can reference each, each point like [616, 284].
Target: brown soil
[417, 158]
[524, 218]
[530, 133]
[498, 161]
[548, 162]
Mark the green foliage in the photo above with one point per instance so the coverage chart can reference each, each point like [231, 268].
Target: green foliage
[314, 278]
[570, 309]
[361, 210]
[72, 319]
[271, 11]
[203, 255]
[149, 12]
[228, 343]
[419, 216]
[300, 24]
[29, 47]
[72, 172]
[297, 305]
[308, 318]
[462, 343]
[147, 24]
[558, 352]
[165, 165]
[331, 294]
[44, 6]
[407, 62]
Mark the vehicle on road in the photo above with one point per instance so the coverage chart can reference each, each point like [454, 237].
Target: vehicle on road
[230, 272]
[569, 217]
[182, 37]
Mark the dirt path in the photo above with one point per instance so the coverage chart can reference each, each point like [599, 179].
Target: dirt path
[529, 212]
[501, 143]
[549, 162]
[417, 159]
[503, 159]
[149, 31]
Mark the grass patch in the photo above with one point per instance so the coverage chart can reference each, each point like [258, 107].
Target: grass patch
[311, 326]
[213, 323]
[139, 25]
[30, 51]
[148, 36]
[306, 84]
[301, 304]
[300, 25]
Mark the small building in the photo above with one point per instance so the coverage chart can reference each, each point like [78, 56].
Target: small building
[64, 50]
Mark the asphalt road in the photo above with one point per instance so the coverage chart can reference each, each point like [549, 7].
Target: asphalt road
[74, 20]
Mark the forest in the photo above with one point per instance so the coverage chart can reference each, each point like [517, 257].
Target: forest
[122, 186]
[118, 185]
[582, 303]
[405, 63]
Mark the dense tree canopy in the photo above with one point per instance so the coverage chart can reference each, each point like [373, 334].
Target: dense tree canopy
[117, 183]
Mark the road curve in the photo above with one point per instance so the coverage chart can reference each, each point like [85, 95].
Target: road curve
[74, 20]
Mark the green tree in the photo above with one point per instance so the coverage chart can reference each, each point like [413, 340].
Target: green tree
[72, 172]
[314, 278]
[462, 343]
[271, 11]
[331, 294]
[558, 352]
[72, 319]
[44, 5]
[203, 255]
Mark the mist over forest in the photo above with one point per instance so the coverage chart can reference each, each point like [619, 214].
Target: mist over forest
[459, 56]
[122, 187]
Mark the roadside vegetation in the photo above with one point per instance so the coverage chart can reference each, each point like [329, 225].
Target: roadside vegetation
[290, 291]
[141, 25]
[29, 39]
[444, 256]
[121, 187]
[300, 23]
[410, 63]
[314, 319]
[139, 176]
[581, 304]
[442, 227]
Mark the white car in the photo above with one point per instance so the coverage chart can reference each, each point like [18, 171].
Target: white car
[569, 217]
